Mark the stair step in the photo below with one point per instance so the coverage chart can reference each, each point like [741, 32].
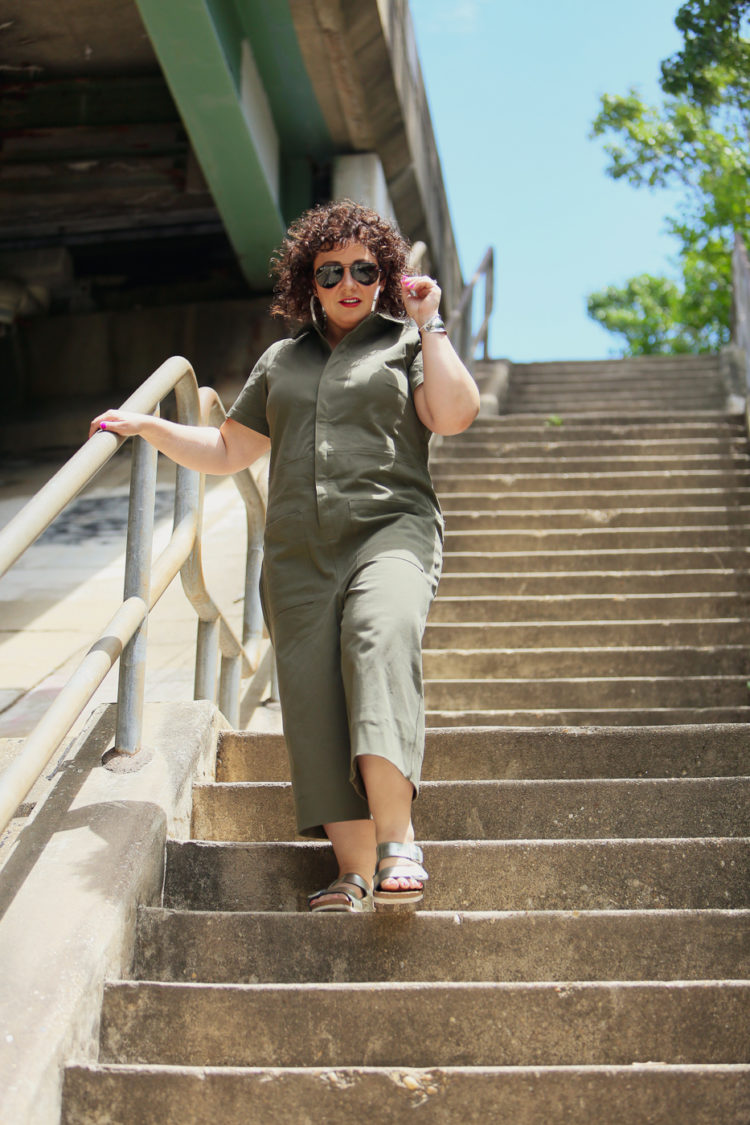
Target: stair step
[243, 948]
[571, 518]
[589, 607]
[588, 692]
[538, 428]
[505, 810]
[602, 500]
[454, 450]
[591, 463]
[487, 663]
[564, 405]
[589, 716]
[482, 875]
[540, 1095]
[599, 539]
[606, 418]
[519, 482]
[588, 634]
[595, 582]
[480, 1024]
[571, 561]
[487, 753]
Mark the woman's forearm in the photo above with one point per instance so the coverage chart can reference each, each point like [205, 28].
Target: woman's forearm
[205, 448]
[450, 397]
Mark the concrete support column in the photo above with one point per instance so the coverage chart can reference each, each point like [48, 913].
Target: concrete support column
[361, 178]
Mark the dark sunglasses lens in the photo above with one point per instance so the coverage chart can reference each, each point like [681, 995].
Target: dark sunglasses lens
[366, 273]
[329, 274]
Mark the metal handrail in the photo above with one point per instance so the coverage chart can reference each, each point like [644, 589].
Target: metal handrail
[124, 636]
[741, 303]
[459, 321]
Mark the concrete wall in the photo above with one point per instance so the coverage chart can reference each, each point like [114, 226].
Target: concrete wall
[70, 890]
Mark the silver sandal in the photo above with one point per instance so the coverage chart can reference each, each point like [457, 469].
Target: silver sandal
[353, 905]
[398, 871]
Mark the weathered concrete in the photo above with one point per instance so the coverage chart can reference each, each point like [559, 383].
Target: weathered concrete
[598, 517]
[584, 716]
[568, 561]
[506, 810]
[485, 875]
[630, 1095]
[523, 462]
[595, 692]
[577, 662]
[373, 1024]
[678, 581]
[572, 482]
[439, 946]
[591, 607]
[69, 891]
[489, 753]
[602, 500]
[547, 634]
[597, 539]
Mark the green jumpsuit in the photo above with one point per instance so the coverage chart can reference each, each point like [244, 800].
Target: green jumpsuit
[353, 548]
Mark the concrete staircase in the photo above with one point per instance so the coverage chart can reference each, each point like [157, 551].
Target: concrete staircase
[584, 947]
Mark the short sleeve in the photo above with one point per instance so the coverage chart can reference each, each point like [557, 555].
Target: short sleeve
[416, 367]
[249, 407]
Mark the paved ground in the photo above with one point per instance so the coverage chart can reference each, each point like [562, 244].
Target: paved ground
[67, 586]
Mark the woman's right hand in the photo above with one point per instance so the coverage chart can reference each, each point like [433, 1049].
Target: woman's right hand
[126, 423]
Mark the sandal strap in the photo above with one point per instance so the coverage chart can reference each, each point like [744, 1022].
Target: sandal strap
[339, 885]
[403, 851]
[399, 871]
[355, 880]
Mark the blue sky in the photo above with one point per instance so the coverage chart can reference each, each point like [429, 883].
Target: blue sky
[513, 89]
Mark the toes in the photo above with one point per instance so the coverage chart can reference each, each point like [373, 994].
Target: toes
[404, 883]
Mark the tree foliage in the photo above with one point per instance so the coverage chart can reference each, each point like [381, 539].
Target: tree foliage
[698, 140]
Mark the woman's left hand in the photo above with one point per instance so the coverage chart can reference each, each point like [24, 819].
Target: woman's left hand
[421, 296]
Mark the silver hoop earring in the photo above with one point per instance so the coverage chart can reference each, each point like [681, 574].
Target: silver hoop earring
[375, 299]
[318, 321]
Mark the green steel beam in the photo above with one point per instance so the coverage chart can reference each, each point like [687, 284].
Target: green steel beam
[220, 90]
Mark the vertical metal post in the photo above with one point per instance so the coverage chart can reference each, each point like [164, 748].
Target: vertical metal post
[137, 585]
[489, 292]
[252, 614]
[229, 688]
[274, 689]
[207, 660]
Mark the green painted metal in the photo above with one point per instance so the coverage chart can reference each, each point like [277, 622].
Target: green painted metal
[199, 47]
[269, 26]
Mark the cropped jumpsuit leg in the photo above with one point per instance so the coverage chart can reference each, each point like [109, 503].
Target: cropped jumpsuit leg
[346, 588]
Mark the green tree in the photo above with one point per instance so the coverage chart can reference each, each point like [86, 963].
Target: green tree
[699, 140]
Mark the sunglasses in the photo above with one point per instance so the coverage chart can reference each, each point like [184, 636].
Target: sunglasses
[331, 273]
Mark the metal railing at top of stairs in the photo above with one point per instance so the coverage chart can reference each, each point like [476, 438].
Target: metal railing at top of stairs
[125, 635]
[460, 318]
[741, 304]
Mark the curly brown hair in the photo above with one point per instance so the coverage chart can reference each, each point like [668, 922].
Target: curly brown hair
[327, 227]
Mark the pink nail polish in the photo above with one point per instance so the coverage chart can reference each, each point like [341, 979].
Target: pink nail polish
[102, 425]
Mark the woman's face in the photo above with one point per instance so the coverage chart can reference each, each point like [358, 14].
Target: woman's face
[347, 302]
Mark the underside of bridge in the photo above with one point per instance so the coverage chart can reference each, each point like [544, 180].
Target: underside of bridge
[154, 152]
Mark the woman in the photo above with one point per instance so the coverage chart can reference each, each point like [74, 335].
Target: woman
[353, 530]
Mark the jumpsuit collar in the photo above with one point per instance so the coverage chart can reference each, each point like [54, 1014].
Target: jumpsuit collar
[311, 327]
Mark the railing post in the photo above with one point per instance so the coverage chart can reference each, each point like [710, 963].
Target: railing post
[206, 660]
[489, 294]
[229, 688]
[137, 585]
[252, 615]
